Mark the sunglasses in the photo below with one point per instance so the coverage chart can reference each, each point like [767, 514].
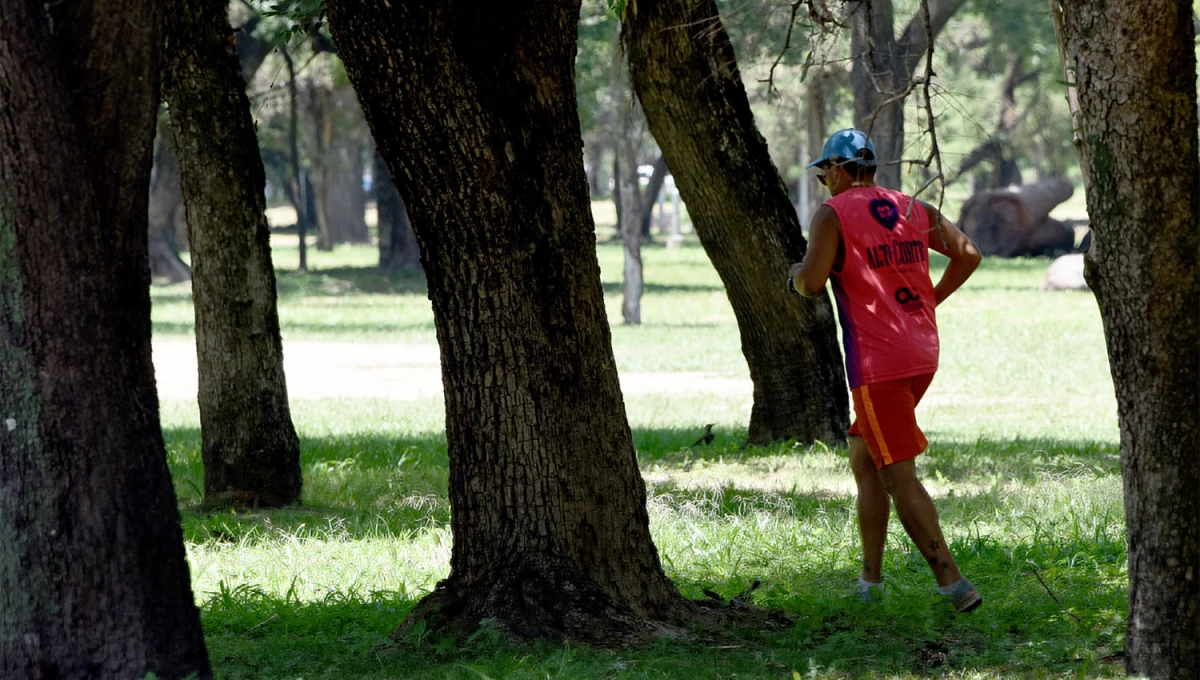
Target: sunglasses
[821, 177]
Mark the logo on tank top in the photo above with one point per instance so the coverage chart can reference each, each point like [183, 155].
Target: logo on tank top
[885, 212]
[909, 301]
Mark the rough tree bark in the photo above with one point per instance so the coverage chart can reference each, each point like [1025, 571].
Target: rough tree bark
[250, 449]
[166, 203]
[686, 76]
[472, 105]
[883, 72]
[93, 577]
[397, 243]
[1137, 99]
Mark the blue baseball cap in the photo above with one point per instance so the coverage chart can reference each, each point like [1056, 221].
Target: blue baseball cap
[847, 145]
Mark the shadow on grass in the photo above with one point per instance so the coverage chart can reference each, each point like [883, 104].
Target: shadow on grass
[368, 484]
[355, 486]
[1064, 619]
[345, 635]
[1025, 460]
[614, 288]
[346, 281]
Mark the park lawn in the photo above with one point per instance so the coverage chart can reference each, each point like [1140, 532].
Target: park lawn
[1023, 464]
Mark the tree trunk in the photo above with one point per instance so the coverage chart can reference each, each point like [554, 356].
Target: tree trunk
[628, 201]
[397, 242]
[320, 159]
[299, 192]
[551, 533]
[649, 197]
[1137, 97]
[166, 202]
[817, 100]
[251, 50]
[347, 202]
[337, 166]
[251, 453]
[685, 74]
[93, 577]
[882, 72]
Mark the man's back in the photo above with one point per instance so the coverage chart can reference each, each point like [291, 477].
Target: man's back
[884, 294]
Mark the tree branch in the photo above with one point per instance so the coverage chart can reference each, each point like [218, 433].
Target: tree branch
[921, 30]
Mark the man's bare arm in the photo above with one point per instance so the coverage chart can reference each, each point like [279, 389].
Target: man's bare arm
[948, 239]
[809, 275]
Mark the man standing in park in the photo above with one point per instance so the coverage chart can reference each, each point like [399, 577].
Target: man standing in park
[874, 243]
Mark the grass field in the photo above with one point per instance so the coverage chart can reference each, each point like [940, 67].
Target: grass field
[1023, 465]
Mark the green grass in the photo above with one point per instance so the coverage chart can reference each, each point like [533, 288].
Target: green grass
[1023, 465]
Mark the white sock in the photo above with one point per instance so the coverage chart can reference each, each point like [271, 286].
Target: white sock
[864, 583]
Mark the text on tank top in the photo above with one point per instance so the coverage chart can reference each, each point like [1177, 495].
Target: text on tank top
[884, 294]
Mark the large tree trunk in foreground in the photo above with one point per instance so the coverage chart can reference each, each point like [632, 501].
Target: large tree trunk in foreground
[1143, 194]
[472, 105]
[166, 204]
[251, 453]
[883, 71]
[93, 578]
[685, 74]
[397, 242]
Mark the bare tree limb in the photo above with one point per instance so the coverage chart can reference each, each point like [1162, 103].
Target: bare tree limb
[921, 29]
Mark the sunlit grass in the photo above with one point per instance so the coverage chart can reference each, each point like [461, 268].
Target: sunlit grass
[1023, 466]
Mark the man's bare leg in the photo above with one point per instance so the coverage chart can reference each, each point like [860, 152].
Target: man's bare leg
[873, 509]
[920, 519]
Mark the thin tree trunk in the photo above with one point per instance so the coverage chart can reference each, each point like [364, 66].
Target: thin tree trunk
[93, 577]
[320, 160]
[685, 74]
[250, 449]
[476, 118]
[882, 72]
[166, 202]
[629, 224]
[818, 87]
[397, 242]
[1137, 98]
[298, 190]
[651, 195]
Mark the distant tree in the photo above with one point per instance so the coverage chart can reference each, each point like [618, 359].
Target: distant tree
[250, 449]
[1134, 66]
[93, 577]
[397, 242]
[628, 131]
[471, 102]
[882, 74]
[686, 77]
[166, 206]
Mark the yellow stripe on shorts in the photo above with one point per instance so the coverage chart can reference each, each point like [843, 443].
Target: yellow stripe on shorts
[873, 422]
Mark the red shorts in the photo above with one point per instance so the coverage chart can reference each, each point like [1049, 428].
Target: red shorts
[885, 416]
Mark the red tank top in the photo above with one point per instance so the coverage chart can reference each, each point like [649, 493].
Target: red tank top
[884, 294]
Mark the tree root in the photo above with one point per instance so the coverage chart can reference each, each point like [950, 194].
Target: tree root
[565, 605]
